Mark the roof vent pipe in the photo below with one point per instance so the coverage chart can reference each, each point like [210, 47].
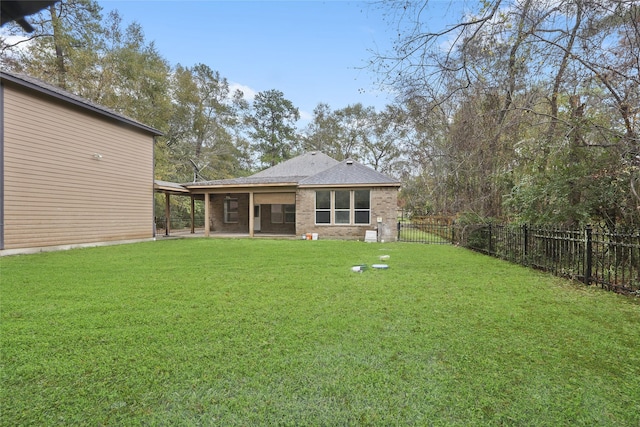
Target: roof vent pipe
[349, 162]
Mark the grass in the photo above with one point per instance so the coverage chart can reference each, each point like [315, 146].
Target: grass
[262, 332]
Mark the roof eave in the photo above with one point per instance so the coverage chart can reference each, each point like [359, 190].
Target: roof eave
[198, 186]
[370, 184]
[167, 187]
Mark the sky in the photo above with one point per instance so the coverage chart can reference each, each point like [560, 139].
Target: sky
[311, 51]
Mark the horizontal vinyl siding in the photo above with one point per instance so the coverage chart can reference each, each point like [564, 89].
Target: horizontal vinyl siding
[56, 192]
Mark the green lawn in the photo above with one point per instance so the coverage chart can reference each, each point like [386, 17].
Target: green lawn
[265, 332]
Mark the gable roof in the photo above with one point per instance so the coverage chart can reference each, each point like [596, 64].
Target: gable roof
[312, 169]
[61, 94]
[301, 166]
[289, 172]
[348, 172]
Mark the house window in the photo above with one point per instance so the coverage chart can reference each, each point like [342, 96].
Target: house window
[290, 214]
[362, 206]
[230, 210]
[323, 207]
[283, 212]
[343, 207]
[276, 214]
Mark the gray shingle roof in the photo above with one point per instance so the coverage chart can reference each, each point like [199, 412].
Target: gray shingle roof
[51, 90]
[348, 172]
[304, 165]
[310, 169]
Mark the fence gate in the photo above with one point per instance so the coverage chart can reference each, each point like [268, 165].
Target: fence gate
[426, 229]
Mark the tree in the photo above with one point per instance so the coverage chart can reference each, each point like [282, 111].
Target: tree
[201, 135]
[323, 133]
[381, 150]
[130, 76]
[273, 130]
[520, 63]
[356, 123]
[342, 133]
[425, 172]
[64, 46]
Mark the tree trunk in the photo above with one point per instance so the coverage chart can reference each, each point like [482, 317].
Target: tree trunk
[61, 71]
[577, 113]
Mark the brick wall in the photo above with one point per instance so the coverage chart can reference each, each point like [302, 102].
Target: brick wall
[217, 214]
[383, 206]
[266, 226]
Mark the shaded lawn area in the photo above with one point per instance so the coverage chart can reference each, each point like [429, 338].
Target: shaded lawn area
[261, 332]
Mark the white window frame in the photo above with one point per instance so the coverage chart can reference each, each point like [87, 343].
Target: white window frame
[356, 209]
[316, 210]
[342, 210]
[352, 208]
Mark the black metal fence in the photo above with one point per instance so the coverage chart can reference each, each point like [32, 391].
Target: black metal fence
[432, 229]
[179, 222]
[593, 255]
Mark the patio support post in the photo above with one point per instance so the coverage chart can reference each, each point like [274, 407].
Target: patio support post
[167, 213]
[207, 228]
[193, 215]
[251, 214]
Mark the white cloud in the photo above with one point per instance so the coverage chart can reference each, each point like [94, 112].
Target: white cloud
[11, 38]
[305, 116]
[249, 93]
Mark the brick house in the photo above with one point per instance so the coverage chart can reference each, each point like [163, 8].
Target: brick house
[311, 193]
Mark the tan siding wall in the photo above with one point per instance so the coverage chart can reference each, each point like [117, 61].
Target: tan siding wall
[56, 192]
[383, 205]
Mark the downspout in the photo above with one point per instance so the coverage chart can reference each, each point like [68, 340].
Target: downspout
[193, 215]
[153, 190]
[167, 213]
[251, 218]
[1, 165]
[207, 226]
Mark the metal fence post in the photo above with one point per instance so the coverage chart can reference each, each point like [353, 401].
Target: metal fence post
[525, 242]
[588, 263]
[490, 239]
[399, 229]
[453, 232]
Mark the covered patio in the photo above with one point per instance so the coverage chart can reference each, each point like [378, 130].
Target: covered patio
[234, 210]
[245, 207]
[173, 189]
